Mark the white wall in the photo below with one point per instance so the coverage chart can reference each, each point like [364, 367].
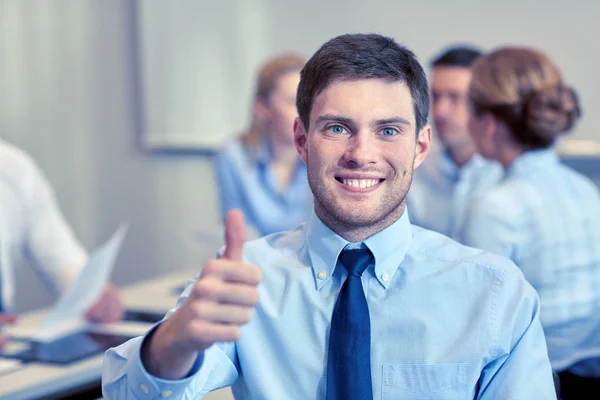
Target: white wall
[199, 61]
[69, 95]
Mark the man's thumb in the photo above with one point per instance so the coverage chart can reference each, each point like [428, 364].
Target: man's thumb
[235, 235]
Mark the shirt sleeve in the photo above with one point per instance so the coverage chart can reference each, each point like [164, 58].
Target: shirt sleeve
[520, 369]
[49, 241]
[488, 228]
[125, 377]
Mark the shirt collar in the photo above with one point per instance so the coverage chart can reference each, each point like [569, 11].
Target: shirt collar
[453, 171]
[389, 248]
[532, 160]
[262, 152]
[448, 166]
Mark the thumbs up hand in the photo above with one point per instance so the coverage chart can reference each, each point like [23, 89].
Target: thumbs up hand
[235, 235]
[220, 302]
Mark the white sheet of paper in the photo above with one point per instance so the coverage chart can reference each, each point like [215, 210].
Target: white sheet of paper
[71, 307]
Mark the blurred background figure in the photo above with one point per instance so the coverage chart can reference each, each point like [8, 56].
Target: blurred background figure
[260, 173]
[450, 176]
[32, 226]
[544, 216]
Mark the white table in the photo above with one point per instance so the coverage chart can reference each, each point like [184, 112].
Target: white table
[46, 381]
[156, 295]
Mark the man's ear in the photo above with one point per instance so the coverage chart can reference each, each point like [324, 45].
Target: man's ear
[300, 139]
[423, 145]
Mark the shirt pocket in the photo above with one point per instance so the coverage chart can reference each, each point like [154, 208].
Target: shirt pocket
[424, 382]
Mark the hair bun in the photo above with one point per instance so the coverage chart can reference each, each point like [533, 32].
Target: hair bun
[552, 111]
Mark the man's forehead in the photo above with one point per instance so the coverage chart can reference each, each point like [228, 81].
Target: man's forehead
[367, 99]
[451, 76]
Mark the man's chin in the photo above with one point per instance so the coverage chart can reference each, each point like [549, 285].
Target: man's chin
[357, 217]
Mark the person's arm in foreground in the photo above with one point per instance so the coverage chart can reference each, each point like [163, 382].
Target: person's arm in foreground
[191, 352]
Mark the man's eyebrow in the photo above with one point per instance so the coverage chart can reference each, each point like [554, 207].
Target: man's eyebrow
[391, 121]
[333, 118]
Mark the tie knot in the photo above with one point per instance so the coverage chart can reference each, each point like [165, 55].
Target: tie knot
[356, 260]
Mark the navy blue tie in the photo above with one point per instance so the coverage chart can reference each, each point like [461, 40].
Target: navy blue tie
[349, 358]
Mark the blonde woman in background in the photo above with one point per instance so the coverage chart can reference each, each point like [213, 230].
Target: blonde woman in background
[261, 173]
[543, 216]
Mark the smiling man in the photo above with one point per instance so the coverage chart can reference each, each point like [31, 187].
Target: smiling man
[357, 303]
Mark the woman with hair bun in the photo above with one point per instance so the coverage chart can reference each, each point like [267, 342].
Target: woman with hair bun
[543, 215]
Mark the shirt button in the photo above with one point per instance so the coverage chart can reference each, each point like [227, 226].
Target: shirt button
[385, 277]
[322, 275]
[166, 393]
[144, 388]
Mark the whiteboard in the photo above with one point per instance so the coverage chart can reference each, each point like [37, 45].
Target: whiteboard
[199, 58]
[197, 66]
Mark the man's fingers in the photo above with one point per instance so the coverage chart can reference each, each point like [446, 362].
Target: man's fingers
[222, 313]
[225, 293]
[233, 272]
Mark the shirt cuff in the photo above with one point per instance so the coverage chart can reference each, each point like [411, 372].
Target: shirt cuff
[149, 386]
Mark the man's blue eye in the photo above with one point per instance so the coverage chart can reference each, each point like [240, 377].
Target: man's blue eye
[337, 129]
[389, 132]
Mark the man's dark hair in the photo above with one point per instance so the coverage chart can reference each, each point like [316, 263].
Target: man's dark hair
[456, 56]
[362, 56]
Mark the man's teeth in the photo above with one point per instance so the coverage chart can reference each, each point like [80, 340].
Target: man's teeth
[360, 183]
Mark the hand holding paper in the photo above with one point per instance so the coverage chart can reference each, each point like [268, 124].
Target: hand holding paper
[73, 305]
[108, 307]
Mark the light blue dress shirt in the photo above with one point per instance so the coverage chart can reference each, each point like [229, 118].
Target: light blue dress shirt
[247, 182]
[546, 218]
[441, 191]
[448, 322]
